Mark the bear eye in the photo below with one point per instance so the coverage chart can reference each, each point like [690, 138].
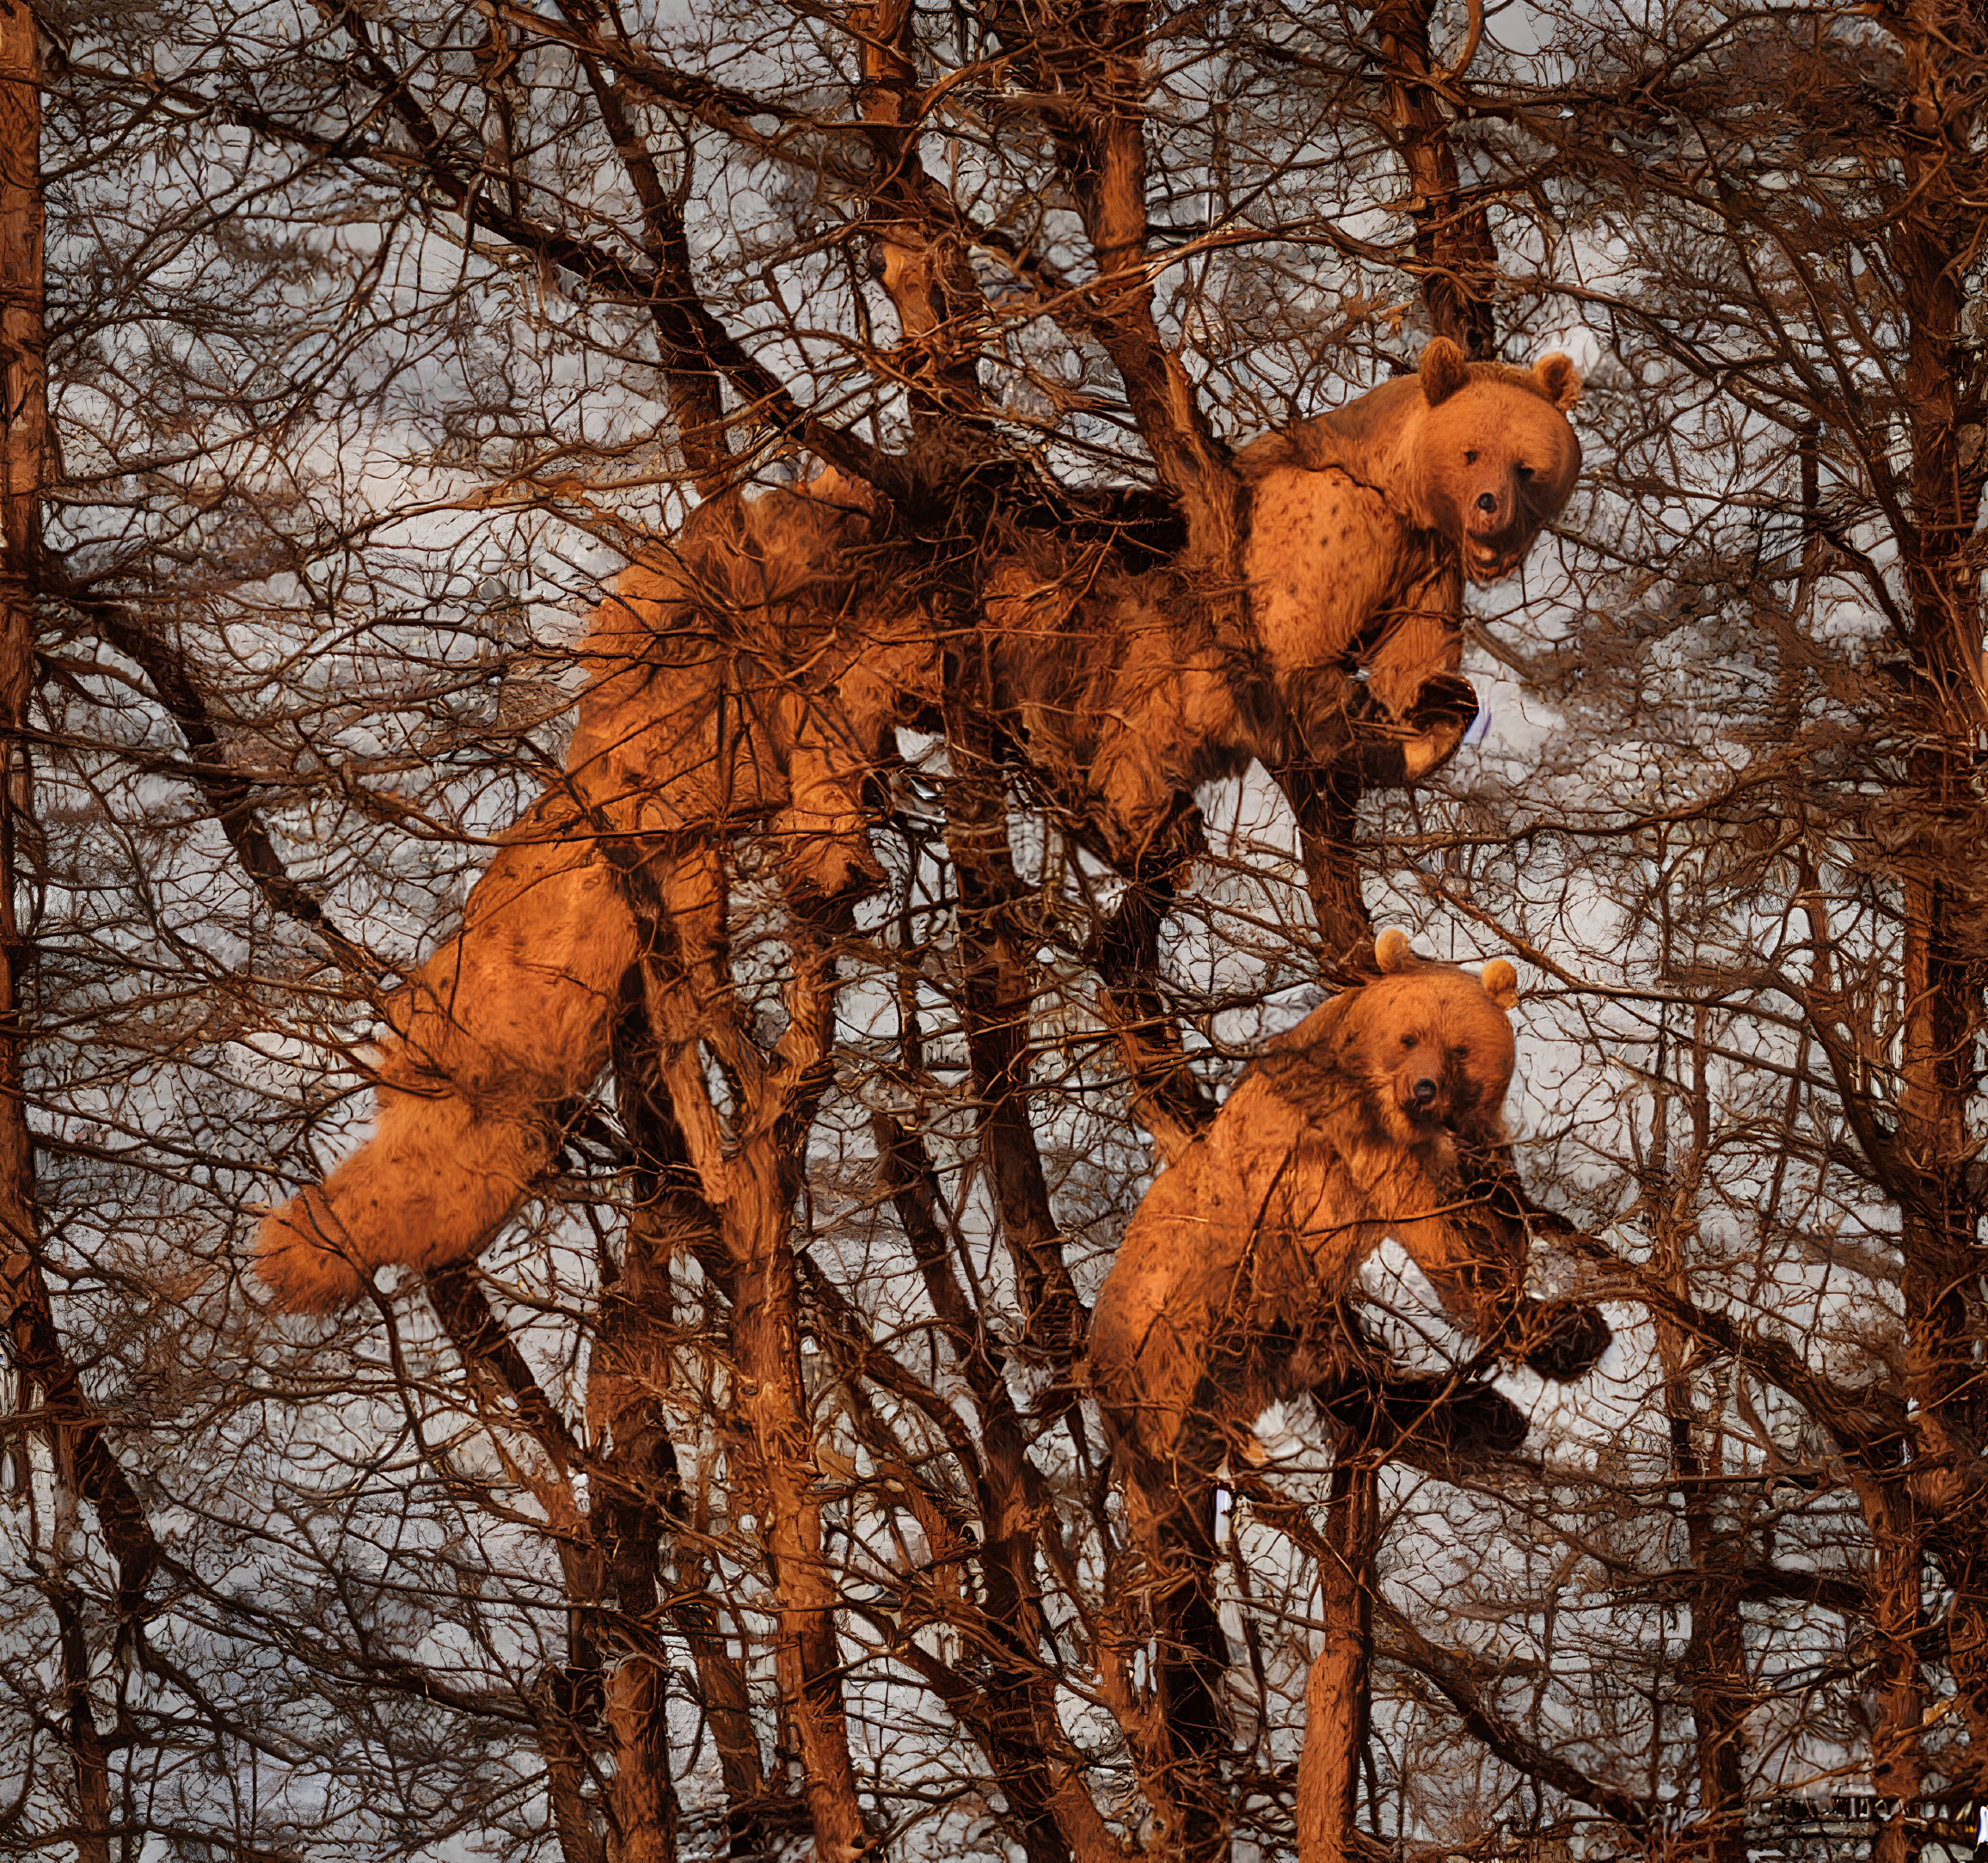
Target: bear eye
[1469, 459]
[1462, 1054]
[1524, 472]
[1409, 1041]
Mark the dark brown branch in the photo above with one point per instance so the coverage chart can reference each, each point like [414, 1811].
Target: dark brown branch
[227, 795]
[1459, 1681]
[1086, 66]
[1454, 256]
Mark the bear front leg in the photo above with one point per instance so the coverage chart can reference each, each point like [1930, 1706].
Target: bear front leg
[1123, 950]
[1429, 1419]
[1399, 750]
[1560, 1340]
[1326, 802]
[508, 1020]
[821, 836]
[1471, 1235]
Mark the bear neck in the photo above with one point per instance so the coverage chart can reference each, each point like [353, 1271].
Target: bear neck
[1375, 441]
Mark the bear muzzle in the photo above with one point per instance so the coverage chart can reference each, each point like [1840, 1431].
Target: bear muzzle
[1496, 539]
[1428, 1106]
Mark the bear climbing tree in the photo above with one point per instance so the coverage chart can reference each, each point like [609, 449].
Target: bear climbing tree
[753, 675]
[732, 791]
[1379, 1115]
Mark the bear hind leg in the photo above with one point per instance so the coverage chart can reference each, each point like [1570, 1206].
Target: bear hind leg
[427, 1190]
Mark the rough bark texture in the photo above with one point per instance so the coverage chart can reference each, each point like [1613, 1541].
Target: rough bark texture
[1941, 712]
[85, 1467]
[1456, 260]
[922, 264]
[1336, 1691]
[997, 1009]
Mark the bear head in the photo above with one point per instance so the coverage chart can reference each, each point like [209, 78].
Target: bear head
[1429, 1044]
[1490, 456]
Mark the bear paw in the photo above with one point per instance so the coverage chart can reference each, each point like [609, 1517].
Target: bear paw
[1565, 1340]
[1440, 1417]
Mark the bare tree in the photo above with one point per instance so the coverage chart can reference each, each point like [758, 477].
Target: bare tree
[743, 1494]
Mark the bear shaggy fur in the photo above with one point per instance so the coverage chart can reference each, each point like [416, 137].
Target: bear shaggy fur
[1364, 524]
[752, 681]
[1378, 1115]
[1127, 690]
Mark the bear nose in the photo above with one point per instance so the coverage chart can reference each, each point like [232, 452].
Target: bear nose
[1487, 502]
[1424, 1091]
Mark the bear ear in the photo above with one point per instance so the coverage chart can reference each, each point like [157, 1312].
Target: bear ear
[1558, 379]
[1391, 951]
[1444, 370]
[1501, 983]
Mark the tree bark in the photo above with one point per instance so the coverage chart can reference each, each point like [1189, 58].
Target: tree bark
[631, 1372]
[754, 1191]
[996, 1006]
[1024, 1740]
[1337, 1689]
[925, 272]
[84, 1465]
[1937, 719]
[1092, 57]
[1455, 258]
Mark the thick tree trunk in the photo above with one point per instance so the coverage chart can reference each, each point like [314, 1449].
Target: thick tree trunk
[754, 1191]
[772, 1403]
[1092, 60]
[997, 1009]
[1454, 257]
[1937, 720]
[924, 271]
[1336, 1691]
[640, 1504]
[46, 1378]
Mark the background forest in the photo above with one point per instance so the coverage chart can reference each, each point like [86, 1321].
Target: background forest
[373, 342]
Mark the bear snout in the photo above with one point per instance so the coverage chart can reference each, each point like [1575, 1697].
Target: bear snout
[1495, 535]
[1492, 510]
[1423, 1092]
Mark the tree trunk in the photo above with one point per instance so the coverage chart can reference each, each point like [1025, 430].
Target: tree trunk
[996, 1009]
[83, 1465]
[773, 1404]
[1336, 1692]
[1937, 720]
[1455, 258]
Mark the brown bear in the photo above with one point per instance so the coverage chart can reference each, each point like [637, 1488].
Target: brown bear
[1364, 524]
[1378, 1115]
[753, 679]
[1128, 687]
